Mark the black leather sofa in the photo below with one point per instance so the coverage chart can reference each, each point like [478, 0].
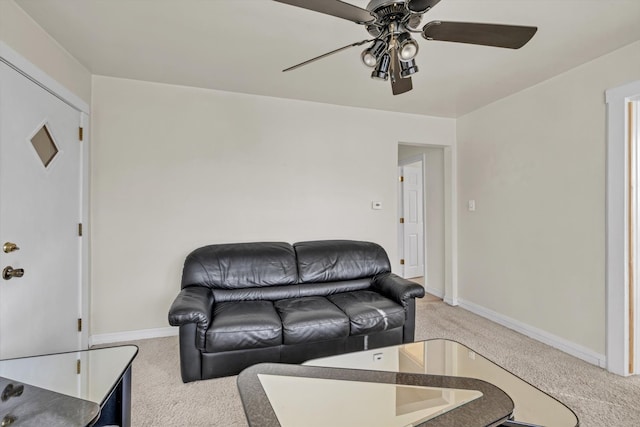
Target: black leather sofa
[247, 303]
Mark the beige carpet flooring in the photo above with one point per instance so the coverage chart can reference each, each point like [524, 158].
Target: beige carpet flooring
[598, 398]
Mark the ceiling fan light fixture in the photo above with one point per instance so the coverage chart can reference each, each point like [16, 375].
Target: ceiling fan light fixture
[407, 68]
[372, 54]
[381, 71]
[407, 47]
[368, 59]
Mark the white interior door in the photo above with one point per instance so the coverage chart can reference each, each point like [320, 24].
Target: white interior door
[40, 209]
[412, 222]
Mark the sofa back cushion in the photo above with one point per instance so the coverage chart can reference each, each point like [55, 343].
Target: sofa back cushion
[241, 265]
[338, 260]
[276, 293]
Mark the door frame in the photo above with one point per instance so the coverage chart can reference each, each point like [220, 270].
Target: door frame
[23, 66]
[450, 218]
[422, 159]
[620, 316]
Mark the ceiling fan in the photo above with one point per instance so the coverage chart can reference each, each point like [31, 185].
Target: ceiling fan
[390, 22]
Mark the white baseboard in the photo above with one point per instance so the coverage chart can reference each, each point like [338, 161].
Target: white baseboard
[545, 337]
[435, 292]
[440, 294]
[451, 301]
[141, 334]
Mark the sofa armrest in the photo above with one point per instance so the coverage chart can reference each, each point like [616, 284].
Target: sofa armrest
[194, 304]
[396, 288]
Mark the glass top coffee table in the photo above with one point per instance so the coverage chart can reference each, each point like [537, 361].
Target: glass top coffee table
[533, 407]
[283, 395]
[101, 376]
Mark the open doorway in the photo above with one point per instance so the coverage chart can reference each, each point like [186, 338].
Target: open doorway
[422, 237]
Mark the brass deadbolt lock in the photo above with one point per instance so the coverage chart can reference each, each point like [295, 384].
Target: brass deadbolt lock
[9, 247]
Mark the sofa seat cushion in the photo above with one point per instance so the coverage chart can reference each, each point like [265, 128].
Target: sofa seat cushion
[242, 325]
[369, 312]
[311, 319]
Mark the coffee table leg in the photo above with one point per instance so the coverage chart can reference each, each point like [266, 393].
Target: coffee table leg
[125, 398]
[116, 410]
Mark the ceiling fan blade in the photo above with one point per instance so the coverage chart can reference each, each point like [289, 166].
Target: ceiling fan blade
[326, 54]
[508, 36]
[398, 84]
[335, 8]
[421, 6]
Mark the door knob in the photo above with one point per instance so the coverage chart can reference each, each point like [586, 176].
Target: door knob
[11, 391]
[9, 272]
[8, 420]
[9, 247]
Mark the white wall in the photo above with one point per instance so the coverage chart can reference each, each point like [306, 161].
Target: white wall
[175, 168]
[534, 249]
[434, 212]
[19, 31]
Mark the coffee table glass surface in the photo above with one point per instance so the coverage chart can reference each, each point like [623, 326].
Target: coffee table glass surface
[450, 358]
[287, 395]
[98, 375]
[89, 374]
[377, 404]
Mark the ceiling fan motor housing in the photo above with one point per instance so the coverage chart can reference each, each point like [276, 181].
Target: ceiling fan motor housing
[377, 4]
[391, 11]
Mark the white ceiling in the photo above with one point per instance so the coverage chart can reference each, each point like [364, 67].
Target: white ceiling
[242, 46]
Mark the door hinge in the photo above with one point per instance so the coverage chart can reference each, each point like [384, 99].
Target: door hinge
[402, 179]
[401, 262]
[80, 133]
[79, 325]
[401, 220]
[80, 229]
[78, 370]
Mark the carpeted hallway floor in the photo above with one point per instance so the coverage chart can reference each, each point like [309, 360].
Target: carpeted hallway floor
[598, 398]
